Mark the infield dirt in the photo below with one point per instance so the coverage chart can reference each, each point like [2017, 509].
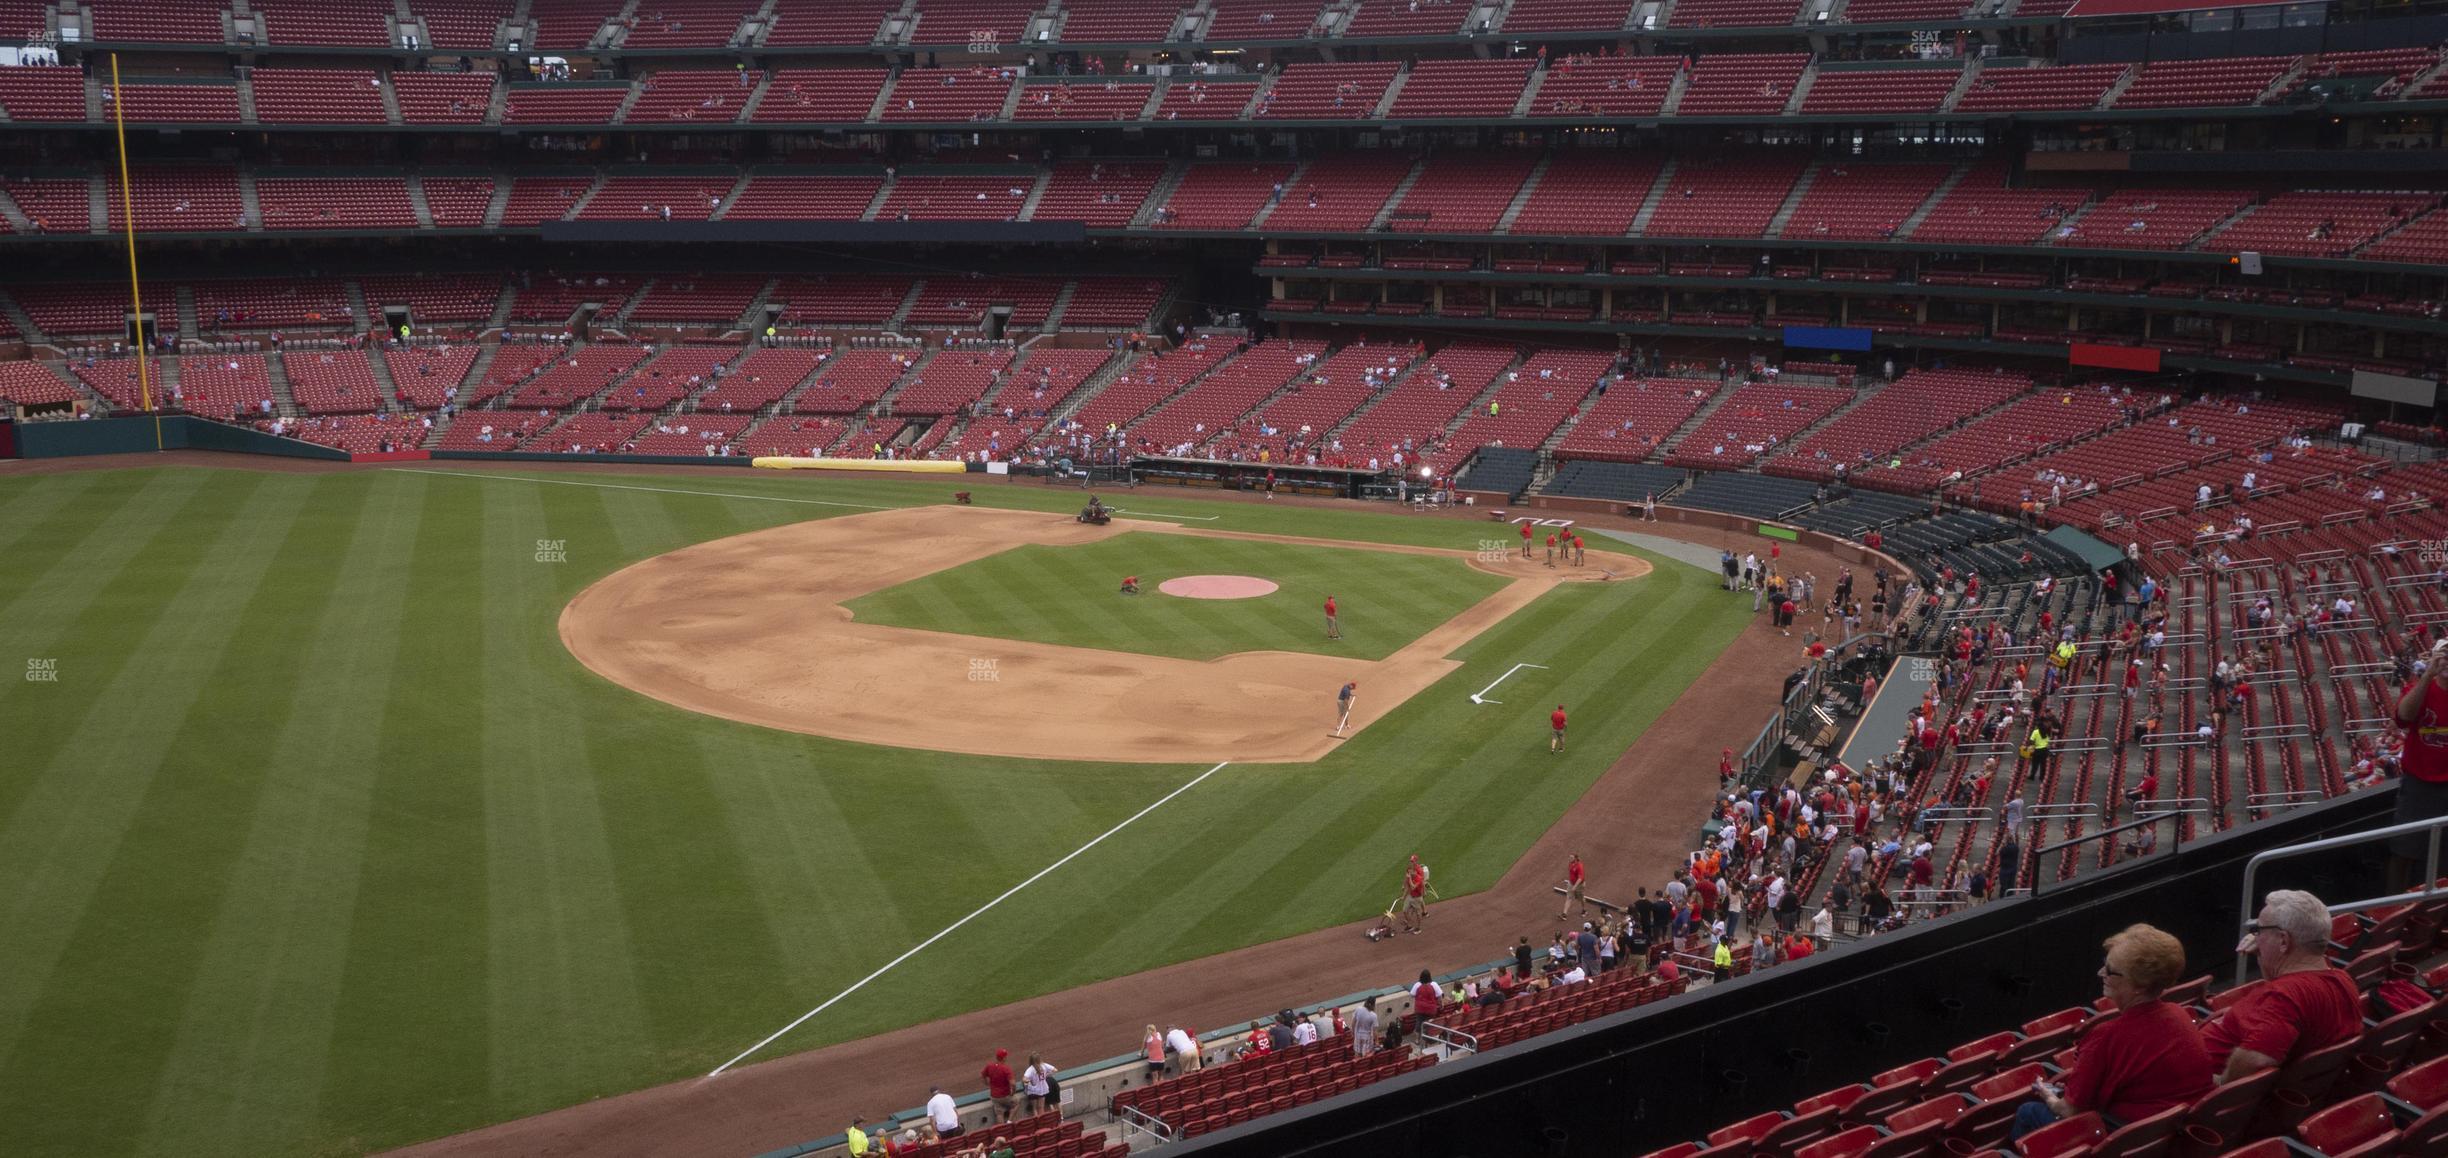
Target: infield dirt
[753, 628]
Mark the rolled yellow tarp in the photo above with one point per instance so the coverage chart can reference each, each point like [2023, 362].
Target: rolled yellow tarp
[905, 465]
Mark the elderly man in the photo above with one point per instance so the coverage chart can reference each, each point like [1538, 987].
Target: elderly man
[2305, 1005]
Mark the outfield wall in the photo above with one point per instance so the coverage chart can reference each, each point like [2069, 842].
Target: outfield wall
[1677, 1069]
[141, 434]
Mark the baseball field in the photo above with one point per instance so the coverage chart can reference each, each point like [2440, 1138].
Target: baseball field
[345, 810]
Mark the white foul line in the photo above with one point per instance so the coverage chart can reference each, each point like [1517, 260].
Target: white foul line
[888, 966]
[563, 482]
[1475, 696]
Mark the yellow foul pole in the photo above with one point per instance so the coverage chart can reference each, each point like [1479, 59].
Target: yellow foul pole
[127, 209]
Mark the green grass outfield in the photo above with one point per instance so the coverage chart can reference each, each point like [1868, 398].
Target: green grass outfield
[320, 842]
[1070, 596]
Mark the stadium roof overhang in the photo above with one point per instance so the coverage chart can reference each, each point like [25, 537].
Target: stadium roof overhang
[2092, 8]
[2100, 556]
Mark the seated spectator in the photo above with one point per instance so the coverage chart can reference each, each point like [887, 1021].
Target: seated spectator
[2147, 1059]
[2304, 1006]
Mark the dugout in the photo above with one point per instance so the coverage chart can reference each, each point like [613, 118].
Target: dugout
[1217, 474]
[1676, 1069]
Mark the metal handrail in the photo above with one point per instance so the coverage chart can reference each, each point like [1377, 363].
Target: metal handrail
[2266, 800]
[2038, 877]
[2430, 827]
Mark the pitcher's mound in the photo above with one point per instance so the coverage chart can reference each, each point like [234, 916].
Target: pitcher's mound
[1217, 587]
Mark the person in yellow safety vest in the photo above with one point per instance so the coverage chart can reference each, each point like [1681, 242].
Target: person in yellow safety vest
[1493, 407]
[879, 450]
[857, 1137]
[2065, 654]
[403, 331]
[2037, 748]
[769, 333]
[1724, 960]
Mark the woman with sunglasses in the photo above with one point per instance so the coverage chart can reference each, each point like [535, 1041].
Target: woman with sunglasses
[2147, 1059]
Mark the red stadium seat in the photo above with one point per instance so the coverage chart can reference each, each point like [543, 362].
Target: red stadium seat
[2062, 1139]
[2357, 1128]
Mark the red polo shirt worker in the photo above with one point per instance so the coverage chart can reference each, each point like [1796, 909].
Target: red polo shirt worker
[1525, 540]
[1555, 720]
[1415, 896]
[2305, 1005]
[2422, 793]
[1574, 875]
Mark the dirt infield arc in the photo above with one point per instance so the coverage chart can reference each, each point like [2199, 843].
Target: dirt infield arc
[753, 628]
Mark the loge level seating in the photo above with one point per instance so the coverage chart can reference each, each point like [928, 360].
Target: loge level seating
[2044, 88]
[1746, 84]
[458, 202]
[713, 95]
[1338, 194]
[1588, 194]
[320, 203]
[1109, 100]
[1462, 194]
[688, 23]
[1204, 100]
[1221, 195]
[353, 23]
[1627, 86]
[947, 94]
[822, 95]
[1461, 88]
[710, 298]
[1863, 202]
[441, 98]
[1322, 92]
[564, 24]
[848, 299]
[37, 93]
[1101, 195]
[799, 22]
[1727, 197]
[786, 198]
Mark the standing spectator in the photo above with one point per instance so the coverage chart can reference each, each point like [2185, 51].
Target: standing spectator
[1185, 1048]
[2145, 1060]
[1426, 1000]
[942, 1114]
[1823, 925]
[2304, 1007]
[1039, 1083]
[1364, 1029]
[1585, 948]
[2422, 793]
[856, 1137]
[1153, 1049]
[998, 1078]
[1521, 956]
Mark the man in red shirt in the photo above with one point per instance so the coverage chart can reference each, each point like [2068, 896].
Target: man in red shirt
[1334, 626]
[1551, 544]
[1555, 720]
[2305, 1005]
[999, 1086]
[1785, 615]
[1580, 555]
[1725, 768]
[1415, 896]
[1574, 874]
[2422, 793]
[1525, 540]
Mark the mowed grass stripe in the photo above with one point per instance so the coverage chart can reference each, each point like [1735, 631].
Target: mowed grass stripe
[676, 862]
[102, 912]
[36, 512]
[409, 1048]
[248, 1056]
[86, 611]
[563, 983]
